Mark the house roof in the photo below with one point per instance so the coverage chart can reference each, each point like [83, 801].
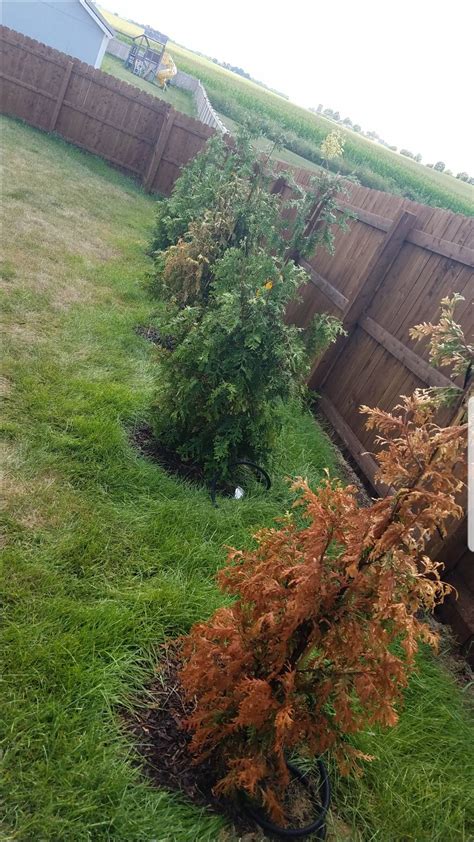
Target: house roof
[156, 36]
[92, 9]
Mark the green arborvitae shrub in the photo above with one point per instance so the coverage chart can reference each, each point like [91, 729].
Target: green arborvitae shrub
[228, 281]
[196, 189]
[219, 390]
[240, 214]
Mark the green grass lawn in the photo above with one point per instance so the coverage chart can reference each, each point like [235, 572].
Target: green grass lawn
[181, 100]
[106, 555]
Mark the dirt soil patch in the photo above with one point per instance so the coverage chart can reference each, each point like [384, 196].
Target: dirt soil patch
[145, 442]
[152, 334]
[350, 470]
[453, 660]
[163, 743]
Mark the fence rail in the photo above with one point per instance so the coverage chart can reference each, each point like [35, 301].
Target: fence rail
[387, 273]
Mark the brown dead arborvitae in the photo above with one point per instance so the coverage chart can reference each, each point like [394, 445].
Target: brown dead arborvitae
[321, 637]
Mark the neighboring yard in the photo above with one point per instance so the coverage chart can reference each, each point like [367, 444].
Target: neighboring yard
[181, 100]
[106, 554]
[267, 146]
[374, 165]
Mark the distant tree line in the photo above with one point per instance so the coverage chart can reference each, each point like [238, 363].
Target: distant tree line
[239, 70]
[409, 154]
[440, 166]
[335, 115]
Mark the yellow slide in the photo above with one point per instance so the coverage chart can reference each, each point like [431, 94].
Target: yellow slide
[166, 71]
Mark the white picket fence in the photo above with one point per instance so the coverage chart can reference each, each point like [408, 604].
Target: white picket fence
[205, 111]
[117, 48]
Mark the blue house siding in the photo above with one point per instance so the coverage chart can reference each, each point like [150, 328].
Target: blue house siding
[63, 24]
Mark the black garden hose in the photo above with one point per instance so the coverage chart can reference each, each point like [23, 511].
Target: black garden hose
[262, 475]
[318, 826]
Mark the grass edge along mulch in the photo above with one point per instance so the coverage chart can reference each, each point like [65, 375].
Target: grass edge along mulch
[107, 556]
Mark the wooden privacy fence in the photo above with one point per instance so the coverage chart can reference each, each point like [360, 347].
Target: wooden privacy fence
[131, 129]
[388, 273]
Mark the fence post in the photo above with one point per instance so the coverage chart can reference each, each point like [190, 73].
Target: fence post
[378, 267]
[158, 149]
[61, 95]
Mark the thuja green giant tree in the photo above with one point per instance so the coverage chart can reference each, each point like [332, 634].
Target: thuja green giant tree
[225, 249]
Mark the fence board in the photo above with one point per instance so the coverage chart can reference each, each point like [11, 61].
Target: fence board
[405, 355]
[61, 95]
[158, 150]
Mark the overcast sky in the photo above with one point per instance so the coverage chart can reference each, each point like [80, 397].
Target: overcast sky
[404, 69]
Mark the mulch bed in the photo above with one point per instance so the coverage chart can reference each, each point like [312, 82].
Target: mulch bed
[144, 441]
[163, 747]
[156, 337]
[452, 659]
[350, 470]
[163, 744]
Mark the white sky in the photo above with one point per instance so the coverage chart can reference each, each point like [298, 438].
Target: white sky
[404, 68]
